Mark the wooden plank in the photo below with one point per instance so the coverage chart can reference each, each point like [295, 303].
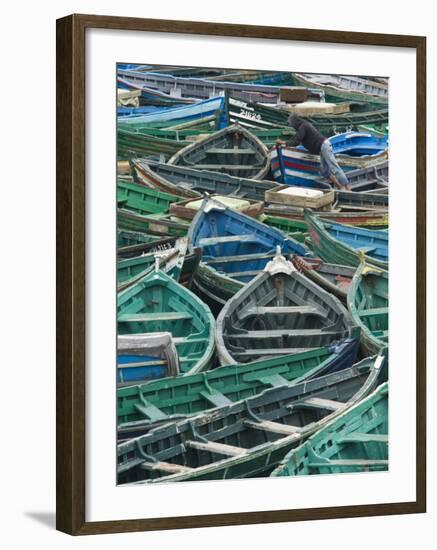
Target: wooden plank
[227, 239]
[276, 310]
[322, 403]
[275, 427]
[351, 462]
[373, 312]
[166, 467]
[220, 151]
[218, 448]
[357, 437]
[161, 316]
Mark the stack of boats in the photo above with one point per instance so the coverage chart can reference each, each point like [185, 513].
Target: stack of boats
[252, 303]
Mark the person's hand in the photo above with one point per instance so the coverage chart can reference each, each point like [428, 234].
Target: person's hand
[280, 142]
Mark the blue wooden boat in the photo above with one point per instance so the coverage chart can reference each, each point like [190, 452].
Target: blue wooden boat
[151, 96]
[235, 249]
[177, 116]
[200, 88]
[345, 245]
[353, 150]
[145, 357]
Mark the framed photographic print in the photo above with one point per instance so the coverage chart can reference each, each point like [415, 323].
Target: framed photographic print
[232, 346]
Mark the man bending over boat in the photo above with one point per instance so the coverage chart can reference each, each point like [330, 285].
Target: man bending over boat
[317, 144]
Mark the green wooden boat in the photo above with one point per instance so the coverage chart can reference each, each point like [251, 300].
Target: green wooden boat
[127, 238]
[153, 224]
[368, 304]
[141, 199]
[342, 244]
[131, 270]
[133, 144]
[157, 303]
[248, 438]
[296, 229]
[139, 408]
[355, 441]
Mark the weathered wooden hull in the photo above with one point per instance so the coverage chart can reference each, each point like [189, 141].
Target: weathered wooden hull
[333, 278]
[343, 245]
[186, 115]
[141, 408]
[355, 441]
[235, 249]
[371, 179]
[353, 150]
[279, 312]
[257, 116]
[145, 357]
[142, 200]
[191, 183]
[131, 270]
[254, 434]
[153, 224]
[368, 305]
[157, 303]
[233, 150]
[374, 219]
[187, 209]
[345, 88]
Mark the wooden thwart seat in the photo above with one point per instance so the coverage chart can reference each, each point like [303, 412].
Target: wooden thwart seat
[166, 467]
[274, 427]
[218, 448]
[358, 463]
[371, 312]
[149, 317]
[357, 437]
[321, 403]
[207, 241]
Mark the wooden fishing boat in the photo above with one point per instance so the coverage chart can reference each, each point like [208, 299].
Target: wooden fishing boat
[142, 200]
[368, 304]
[356, 201]
[296, 229]
[266, 117]
[192, 183]
[150, 96]
[301, 197]
[373, 179]
[345, 88]
[296, 166]
[201, 88]
[200, 113]
[333, 278]
[127, 238]
[187, 209]
[131, 270]
[134, 144]
[279, 312]
[144, 357]
[355, 441]
[235, 249]
[153, 224]
[342, 244]
[157, 303]
[248, 438]
[375, 219]
[157, 402]
[233, 150]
